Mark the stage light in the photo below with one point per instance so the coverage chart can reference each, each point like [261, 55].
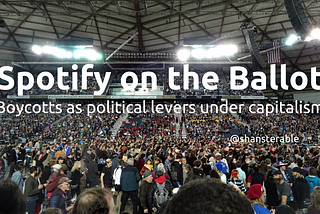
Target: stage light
[198, 53]
[183, 54]
[308, 39]
[37, 49]
[291, 40]
[315, 34]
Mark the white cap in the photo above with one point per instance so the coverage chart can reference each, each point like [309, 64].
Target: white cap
[56, 166]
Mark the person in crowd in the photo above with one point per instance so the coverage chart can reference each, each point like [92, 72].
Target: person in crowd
[242, 174]
[52, 210]
[92, 171]
[46, 173]
[47, 157]
[282, 166]
[197, 170]
[93, 201]
[160, 193]
[145, 187]
[12, 201]
[177, 171]
[284, 209]
[272, 199]
[167, 163]
[17, 177]
[207, 196]
[147, 166]
[255, 195]
[163, 169]
[300, 189]
[156, 162]
[314, 207]
[189, 172]
[140, 162]
[214, 174]
[129, 184]
[117, 185]
[76, 177]
[313, 179]
[59, 153]
[284, 190]
[221, 170]
[256, 177]
[61, 197]
[106, 175]
[32, 189]
[234, 179]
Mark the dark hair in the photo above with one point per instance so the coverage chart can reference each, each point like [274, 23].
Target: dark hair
[12, 200]
[93, 201]
[33, 169]
[20, 167]
[238, 164]
[121, 163]
[159, 174]
[197, 163]
[51, 210]
[214, 174]
[312, 171]
[207, 196]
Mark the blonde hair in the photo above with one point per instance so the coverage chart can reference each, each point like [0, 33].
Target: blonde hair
[259, 201]
[75, 166]
[315, 198]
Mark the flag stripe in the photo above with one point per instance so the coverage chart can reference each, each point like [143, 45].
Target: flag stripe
[274, 55]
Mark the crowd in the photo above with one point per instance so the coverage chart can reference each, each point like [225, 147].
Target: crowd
[161, 172]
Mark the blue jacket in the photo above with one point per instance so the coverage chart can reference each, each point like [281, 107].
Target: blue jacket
[57, 201]
[313, 182]
[129, 178]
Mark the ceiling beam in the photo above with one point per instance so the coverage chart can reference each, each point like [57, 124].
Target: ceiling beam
[10, 7]
[161, 37]
[99, 35]
[139, 25]
[54, 28]
[83, 21]
[19, 25]
[63, 5]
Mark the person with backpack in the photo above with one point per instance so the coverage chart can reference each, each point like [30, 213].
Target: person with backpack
[160, 193]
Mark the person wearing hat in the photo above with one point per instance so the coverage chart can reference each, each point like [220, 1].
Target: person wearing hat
[61, 197]
[300, 188]
[255, 195]
[284, 190]
[145, 186]
[106, 175]
[282, 166]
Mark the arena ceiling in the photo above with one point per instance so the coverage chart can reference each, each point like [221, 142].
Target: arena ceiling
[161, 26]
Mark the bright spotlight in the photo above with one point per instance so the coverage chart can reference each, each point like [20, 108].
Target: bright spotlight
[198, 53]
[315, 34]
[37, 49]
[291, 40]
[183, 55]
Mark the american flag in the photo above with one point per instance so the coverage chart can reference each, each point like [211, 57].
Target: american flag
[273, 55]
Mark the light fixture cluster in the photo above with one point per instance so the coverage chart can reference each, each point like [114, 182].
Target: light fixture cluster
[77, 53]
[315, 34]
[207, 53]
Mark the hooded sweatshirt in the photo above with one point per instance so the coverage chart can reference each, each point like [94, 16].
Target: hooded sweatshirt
[313, 181]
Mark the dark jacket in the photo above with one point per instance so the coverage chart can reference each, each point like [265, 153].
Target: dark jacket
[46, 172]
[176, 172]
[139, 164]
[312, 210]
[300, 191]
[129, 178]
[143, 194]
[75, 177]
[199, 173]
[59, 200]
[92, 170]
[12, 155]
[154, 187]
[190, 177]
[31, 190]
[271, 191]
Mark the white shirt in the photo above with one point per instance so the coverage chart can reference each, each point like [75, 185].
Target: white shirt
[117, 175]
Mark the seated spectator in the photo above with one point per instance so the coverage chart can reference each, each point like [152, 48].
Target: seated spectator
[207, 196]
[94, 200]
[12, 200]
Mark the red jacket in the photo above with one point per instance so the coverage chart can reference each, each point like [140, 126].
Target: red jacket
[53, 186]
